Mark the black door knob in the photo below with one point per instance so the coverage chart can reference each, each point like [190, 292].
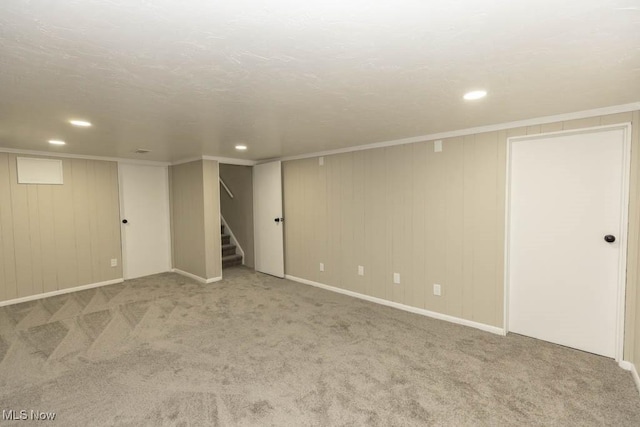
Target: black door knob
[609, 238]
[124, 221]
[279, 220]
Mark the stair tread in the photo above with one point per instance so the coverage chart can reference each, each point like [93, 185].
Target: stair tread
[228, 246]
[231, 257]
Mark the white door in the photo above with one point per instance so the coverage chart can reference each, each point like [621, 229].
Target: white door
[566, 194]
[267, 218]
[144, 209]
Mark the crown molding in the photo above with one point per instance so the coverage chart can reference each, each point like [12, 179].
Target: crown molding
[615, 109]
[225, 160]
[231, 161]
[624, 108]
[186, 160]
[82, 156]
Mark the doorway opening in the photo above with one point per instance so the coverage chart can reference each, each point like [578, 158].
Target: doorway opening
[236, 215]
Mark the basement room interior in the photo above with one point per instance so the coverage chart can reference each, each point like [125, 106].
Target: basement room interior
[336, 213]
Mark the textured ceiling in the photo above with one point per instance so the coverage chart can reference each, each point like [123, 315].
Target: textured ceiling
[195, 77]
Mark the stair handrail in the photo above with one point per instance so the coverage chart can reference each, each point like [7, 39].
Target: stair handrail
[225, 187]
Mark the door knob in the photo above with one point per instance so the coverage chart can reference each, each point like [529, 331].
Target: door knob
[609, 238]
[124, 221]
[279, 220]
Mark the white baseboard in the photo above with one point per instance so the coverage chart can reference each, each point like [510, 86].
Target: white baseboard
[194, 277]
[487, 328]
[628, 366]
[60, 292]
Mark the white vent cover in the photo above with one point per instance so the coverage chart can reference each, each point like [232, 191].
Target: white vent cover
[32, 170]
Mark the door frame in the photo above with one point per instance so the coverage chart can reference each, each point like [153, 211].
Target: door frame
[123, 235]
[622, 267]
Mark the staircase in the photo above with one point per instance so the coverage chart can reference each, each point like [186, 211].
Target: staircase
[229, 255]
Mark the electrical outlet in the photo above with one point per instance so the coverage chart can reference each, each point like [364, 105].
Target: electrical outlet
[437, 289]
[114, 262]
[321, 266]
[360, 270]
[396, 278]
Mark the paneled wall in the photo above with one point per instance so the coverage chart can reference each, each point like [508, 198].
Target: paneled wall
[632, 317]
[187, 218]
[195, 218]
[432, 217]
[54, 237]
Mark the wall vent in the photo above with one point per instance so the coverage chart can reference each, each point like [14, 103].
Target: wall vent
[34, 170]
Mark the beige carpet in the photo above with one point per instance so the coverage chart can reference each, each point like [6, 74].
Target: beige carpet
[255, 350]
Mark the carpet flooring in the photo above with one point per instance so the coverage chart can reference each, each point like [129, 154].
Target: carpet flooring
[256, 350]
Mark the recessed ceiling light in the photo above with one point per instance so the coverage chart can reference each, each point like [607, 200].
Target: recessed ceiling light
[476, 94]
[56, 142]
[241, 147]
[80, 123]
